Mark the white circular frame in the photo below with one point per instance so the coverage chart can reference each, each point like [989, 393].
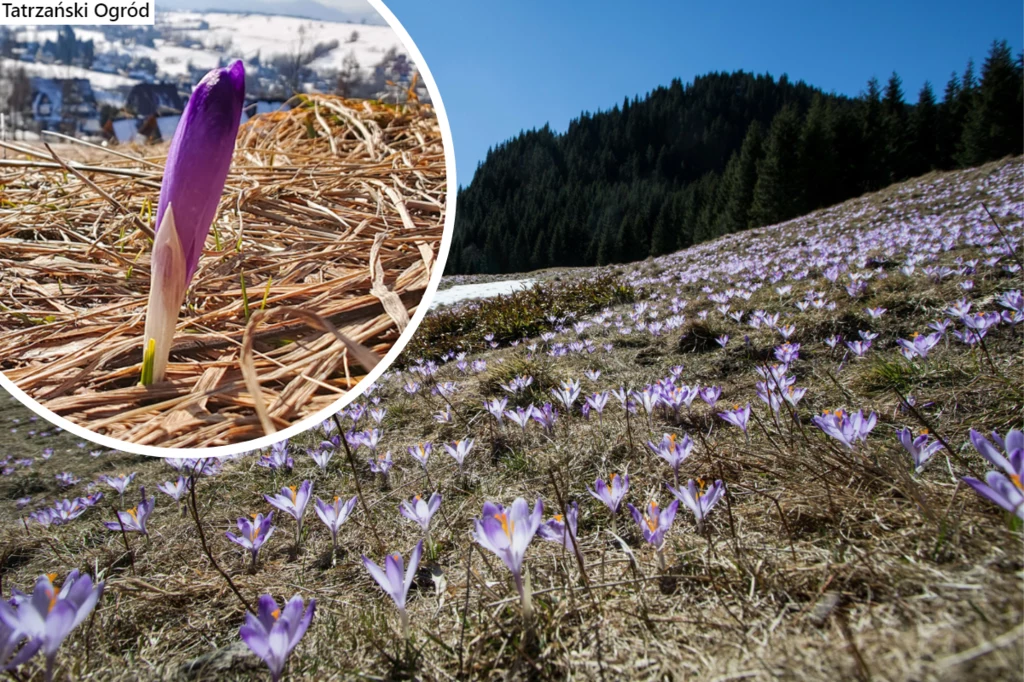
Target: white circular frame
[374, 374]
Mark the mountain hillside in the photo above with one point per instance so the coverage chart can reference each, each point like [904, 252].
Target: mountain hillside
[728, 151]
[810, 421]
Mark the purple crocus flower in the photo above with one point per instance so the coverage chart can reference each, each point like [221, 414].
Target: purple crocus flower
[197, 166]
[321, 456]
[278, 459]
[381, 464]
[847, 429]
[118, 483]
[597, 402]
[737, 416]
[253, 533]
[293, 501]
[563, 531]
[1012, 462]
[921, 448]
[673, 450]
[420, 512]
[1004, 487]
[710, 395]
[998, 488]
[497, 408]
[611, 493]
[507, 533]
[274, 632]
[175, 490]
[46, 617]
[546, 416]
[919, 344]
[396, 579]
[458, 450]
[334, 515]
[421, 452]
[698, 499]
[654, 522]
[521, 416]
[135, 518]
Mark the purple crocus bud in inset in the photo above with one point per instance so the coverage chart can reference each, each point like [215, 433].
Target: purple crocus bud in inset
[46, 617]
[274, 632]
[396, 579]
[197, 166]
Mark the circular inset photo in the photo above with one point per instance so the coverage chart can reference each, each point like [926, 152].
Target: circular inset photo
[215, 229]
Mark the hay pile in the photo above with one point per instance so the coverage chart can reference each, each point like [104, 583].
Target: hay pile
[332, 215]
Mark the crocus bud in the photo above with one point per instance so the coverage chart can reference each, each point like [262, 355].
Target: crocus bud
[197, 166]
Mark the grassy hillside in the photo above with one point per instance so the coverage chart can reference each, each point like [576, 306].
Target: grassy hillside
[819, 561]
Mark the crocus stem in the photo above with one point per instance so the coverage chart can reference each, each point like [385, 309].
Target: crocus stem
[405, 623]
[166, 294]
[525, 596]
[661, 559]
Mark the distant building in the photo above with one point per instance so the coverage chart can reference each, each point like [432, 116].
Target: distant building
[154, 99]
[264, 106]
[65, 104]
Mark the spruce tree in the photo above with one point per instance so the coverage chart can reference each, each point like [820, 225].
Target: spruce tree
[924, 125]
[873, 170]
[951, 123]
[740, 186]
[993, 127]
[778, 192]
[817, 160]
[894, 131]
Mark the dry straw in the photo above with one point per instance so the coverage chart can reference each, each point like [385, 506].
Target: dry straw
[328, 232]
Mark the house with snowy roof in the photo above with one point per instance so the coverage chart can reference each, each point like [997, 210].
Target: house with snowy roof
[67, 105]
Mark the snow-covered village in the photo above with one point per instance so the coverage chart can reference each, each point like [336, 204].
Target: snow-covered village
[122, 84]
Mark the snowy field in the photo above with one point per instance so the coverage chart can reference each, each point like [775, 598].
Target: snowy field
[228, 36]
[466, 292]
[98, 79]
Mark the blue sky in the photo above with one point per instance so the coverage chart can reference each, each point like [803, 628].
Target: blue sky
[502, 66]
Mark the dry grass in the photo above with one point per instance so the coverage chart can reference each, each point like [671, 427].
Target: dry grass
[335, 208]
[820, 564]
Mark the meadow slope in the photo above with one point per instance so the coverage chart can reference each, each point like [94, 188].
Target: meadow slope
[826, 556]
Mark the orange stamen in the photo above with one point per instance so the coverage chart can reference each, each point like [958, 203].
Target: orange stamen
[505, 526]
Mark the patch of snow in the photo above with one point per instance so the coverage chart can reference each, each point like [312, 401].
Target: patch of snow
[466, 292]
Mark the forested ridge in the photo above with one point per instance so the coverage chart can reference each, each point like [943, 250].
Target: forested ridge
[727, 152]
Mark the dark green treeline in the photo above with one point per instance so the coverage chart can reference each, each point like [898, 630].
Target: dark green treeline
[728, 152]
